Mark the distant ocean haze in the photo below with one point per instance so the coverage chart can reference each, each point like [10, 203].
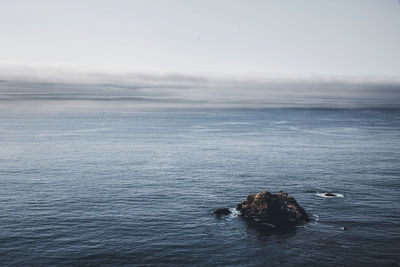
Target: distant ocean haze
[137, 90]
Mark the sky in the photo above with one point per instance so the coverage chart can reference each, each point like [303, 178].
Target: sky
[341, 37]
[232, 42]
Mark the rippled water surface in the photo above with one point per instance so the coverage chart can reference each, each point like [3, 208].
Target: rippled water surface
[139, 188]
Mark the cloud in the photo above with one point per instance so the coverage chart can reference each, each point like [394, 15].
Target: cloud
[63, 90]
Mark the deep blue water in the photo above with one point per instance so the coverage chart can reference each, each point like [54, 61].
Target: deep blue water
[139, 188]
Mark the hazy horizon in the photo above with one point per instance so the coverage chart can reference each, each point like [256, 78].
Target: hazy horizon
[125, 55]
[79, 91]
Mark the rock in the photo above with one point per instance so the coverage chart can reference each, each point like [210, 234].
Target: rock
[222, 211]
[344, 228]
[330, 195]
[278, 209]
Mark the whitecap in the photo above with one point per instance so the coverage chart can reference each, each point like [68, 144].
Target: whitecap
[325, 196]
[314, 219]
[234, 213]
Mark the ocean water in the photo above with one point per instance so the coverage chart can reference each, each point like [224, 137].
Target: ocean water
[139, 188]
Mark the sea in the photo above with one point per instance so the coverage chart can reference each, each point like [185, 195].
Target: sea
[138, 188]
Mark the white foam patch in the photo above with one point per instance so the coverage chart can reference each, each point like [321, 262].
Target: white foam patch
[314, 221]
[234, 212]
[325, 196]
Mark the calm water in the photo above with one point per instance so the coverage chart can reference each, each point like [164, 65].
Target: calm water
[138, 188]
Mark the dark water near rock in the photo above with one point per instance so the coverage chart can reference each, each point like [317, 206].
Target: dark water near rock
[139, 188]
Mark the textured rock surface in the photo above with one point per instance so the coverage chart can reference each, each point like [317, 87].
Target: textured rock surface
[222, 211]
[277, 209]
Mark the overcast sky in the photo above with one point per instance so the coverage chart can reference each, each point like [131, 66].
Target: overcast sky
[205, 53]
[340, 37]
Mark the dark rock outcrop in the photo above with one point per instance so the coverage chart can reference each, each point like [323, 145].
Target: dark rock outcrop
[330, 195]
[222, 211]
[278, 210]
